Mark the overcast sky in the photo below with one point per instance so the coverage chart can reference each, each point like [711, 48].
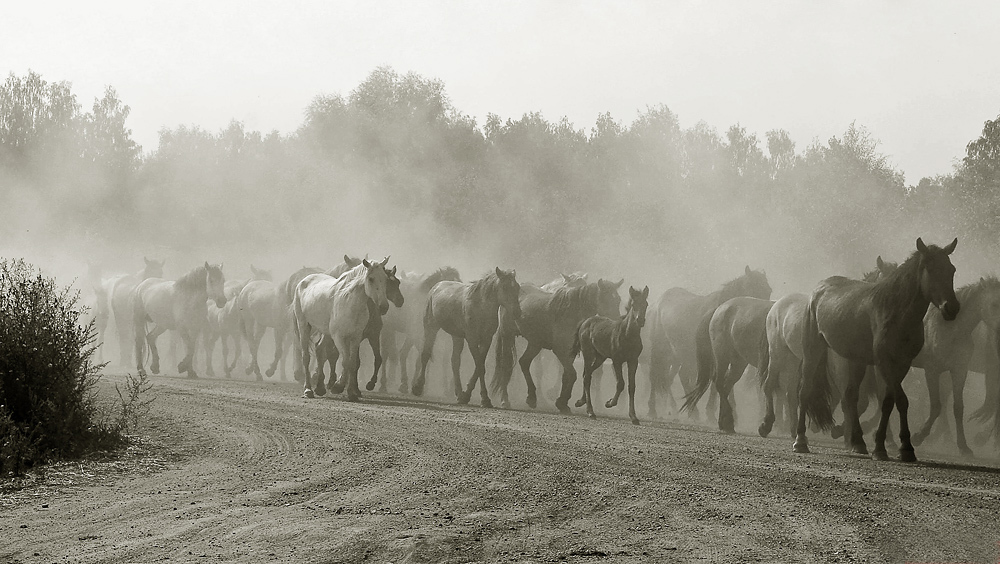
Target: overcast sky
[921, 76]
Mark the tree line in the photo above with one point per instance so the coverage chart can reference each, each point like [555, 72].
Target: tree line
[395, 163]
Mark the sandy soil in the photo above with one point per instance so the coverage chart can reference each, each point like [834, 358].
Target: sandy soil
[235, 471]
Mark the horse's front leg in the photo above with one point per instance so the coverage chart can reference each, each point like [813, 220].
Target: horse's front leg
[479, 352]
[958, 377]
[303, 342]
[529, 354]
[153, 351]
[932, 377]
[375, 341]
[619, 384]
[457, 346]
[633, 365]
[349, 350]
[279, 342]
[568, 380]
[187, 363]
[328, 352]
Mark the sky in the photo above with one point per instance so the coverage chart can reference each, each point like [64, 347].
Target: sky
[922, 77]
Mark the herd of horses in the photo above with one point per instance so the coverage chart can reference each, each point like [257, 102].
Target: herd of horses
[813, 351]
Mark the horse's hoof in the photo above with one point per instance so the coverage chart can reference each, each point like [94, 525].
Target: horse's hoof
[337, 389]
[966, 452]
[763, 430]
[592, 415]
[370, 385]
[532, 401]
[635, 421]
[862, 448]
[320, 390]
[564, 409]
[155, 369]
[229, 375]
[505, 404]
[308, 393]
[907, 456]
[403, 389]
[580, 402]
[918, 438]
[353, 397]
[269, 372]
[728, 430]
[800, 447]
[881, 455]
[486, 403]
[463, 398]
[297, 376]
[837, 431]
[417, 390]
[248, 371]
[610, 403]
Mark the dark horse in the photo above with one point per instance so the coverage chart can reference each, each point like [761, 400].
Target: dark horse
[469, 312]
[877, 324]
[729, 340]
[549, 320]
[600, 338]
[674, 322]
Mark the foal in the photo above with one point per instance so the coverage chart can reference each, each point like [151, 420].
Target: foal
[600, 338]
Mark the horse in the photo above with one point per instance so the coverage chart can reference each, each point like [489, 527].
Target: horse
[179, 305]
[407, 322]
[880, 324]
[674, 322]
[949, 346]
[288, 292]
[728, 340]
[549, 320]
[226, 322]
[573, 280]
[338, 308]
[114, 302]
[780, 364]
[600, 338]
[328, 352]
[469, 312]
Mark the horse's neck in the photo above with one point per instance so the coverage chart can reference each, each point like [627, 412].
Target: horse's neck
[971, 313]
[909, 294]
[716, 298]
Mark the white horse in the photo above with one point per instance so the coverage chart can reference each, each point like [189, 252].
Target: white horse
[179, 305]
[114, 301]
[338, 308]
[226, 323]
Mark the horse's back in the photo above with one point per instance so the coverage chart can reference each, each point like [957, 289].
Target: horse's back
[678, 312]
[741, 322]
[843, 311]
[784, 323]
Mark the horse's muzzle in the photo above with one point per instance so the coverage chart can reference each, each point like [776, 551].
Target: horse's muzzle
[220, 302]
[950, 310]
[384, 308]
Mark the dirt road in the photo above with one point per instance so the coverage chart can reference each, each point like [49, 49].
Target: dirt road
[248, 472]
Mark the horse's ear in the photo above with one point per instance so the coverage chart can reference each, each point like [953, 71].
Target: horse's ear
[921, 246]
[146, 260]
[365, 262]
[393, 271]
[982, 279]
[513, 273]
[619, 283]
[951, 248]
[564, 277]
[347, 259]
[879, 262]
[645, 292]
[747, 270]
[499, 273]
[206, 265]
[385, 261]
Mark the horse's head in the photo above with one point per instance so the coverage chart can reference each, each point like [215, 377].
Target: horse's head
[376, 280]
[509, 292]
[153, 268]
[638, 301]
[574, 280]
[260, 274]
[755, 284]
[937, 277]
[882, 269]
[392, 292]
[609, 303]
[215, 284]
[351, 262]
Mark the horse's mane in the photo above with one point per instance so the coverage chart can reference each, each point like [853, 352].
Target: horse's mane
[353, 278]
[484, 288]
[193, 280]
[898, 286]
[288, 287]
[735, 287]
[990, 282]
[443, 273]
[569, 299]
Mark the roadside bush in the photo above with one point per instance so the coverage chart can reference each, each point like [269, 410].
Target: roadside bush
[48, 403]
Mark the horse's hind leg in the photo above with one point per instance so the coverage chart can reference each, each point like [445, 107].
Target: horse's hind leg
[568, 379]
[187, 363]
[153, 351]
[457, 346]
[210, 338]
[479, 352]
[430, 335]
[329, 352]
[279, 338]
[530, 352]
[401, 358]
[591, 360]
[376, 344]
[932, 376]
[958, 377]
[854, 437]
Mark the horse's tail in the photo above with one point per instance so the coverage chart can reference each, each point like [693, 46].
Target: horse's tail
[763, 358]
[506, 332]
[706, 361]
[815, 391]
[575, 349]
[138, 327]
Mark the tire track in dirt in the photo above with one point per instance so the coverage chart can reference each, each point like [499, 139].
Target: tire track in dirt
[257, 473]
